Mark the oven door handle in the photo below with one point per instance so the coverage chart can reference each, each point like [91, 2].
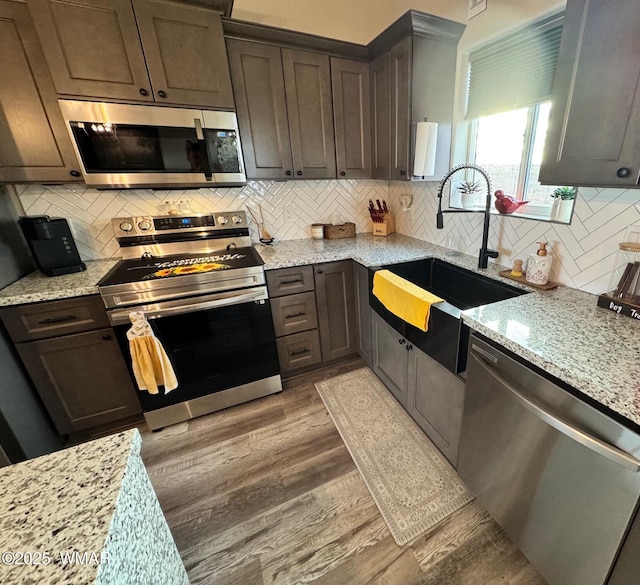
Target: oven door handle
[121, 317]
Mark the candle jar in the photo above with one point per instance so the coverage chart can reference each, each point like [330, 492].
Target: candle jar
[317, 231]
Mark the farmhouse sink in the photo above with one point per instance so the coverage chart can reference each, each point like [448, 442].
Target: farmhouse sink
[448, 337]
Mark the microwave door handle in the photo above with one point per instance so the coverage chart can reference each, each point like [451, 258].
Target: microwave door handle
[204, 153]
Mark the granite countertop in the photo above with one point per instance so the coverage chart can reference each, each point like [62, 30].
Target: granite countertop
[61, 502]
[37, 287]
[561, 331]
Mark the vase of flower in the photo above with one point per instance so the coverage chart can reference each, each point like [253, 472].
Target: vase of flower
[468, 193]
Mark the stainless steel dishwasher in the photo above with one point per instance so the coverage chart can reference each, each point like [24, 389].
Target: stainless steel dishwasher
[560, 477]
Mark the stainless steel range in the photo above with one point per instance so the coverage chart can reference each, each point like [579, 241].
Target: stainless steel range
[201, 285]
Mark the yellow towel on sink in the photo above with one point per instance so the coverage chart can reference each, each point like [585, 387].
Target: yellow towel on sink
[404, 299]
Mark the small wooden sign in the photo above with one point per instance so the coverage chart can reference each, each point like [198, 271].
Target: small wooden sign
[619, 306]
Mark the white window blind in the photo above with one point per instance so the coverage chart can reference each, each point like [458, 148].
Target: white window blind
[516, 71]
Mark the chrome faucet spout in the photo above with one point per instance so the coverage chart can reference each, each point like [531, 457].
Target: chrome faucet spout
[485, 252]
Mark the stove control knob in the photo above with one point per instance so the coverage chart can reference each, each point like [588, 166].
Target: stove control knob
[236, 219]
[126, 226]
[144, 225]
[222, 219]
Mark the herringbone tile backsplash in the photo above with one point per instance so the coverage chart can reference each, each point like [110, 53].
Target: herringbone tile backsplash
[584, 252]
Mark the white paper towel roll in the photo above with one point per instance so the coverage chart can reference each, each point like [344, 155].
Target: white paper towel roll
[424, 162]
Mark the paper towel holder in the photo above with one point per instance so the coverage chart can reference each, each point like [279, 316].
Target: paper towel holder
[424, 159]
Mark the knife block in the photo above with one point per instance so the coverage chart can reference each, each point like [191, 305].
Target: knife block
[385, 227]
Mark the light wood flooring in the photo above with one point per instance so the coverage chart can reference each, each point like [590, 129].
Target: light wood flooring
[266, 493]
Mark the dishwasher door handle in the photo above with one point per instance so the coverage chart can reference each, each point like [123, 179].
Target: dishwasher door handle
[609, 451]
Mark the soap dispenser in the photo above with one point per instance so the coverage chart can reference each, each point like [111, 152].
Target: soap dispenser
[539, 266]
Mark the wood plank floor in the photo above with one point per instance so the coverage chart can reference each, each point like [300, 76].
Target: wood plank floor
[266, 493]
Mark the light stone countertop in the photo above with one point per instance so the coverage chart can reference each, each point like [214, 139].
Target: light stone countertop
[94, 498]
[37, 287]
[562, 331]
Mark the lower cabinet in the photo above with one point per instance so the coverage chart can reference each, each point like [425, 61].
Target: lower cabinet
[82, 379]
[431, 394]
[363, 313]
[314, 317]
[74, 361]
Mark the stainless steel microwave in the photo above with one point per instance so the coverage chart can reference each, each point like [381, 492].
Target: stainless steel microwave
[128, 146]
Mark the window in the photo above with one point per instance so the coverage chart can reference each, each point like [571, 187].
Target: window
[509, 146]
[508, 106]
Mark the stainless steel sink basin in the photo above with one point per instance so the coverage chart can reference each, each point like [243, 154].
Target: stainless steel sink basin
[447, 338]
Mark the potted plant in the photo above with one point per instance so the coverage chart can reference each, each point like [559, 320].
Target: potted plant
[563, 203]
[468, 190]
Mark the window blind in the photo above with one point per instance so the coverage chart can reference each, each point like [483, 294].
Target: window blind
[516, 71]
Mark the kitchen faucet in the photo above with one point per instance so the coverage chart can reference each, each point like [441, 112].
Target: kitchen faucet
[485, 253]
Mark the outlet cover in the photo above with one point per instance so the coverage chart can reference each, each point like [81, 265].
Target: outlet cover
[290, 214]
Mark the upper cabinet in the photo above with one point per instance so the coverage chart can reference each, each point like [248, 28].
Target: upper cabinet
[148, 50]
[34, 145]
[307, 84]
[594, 127]
[412, 79]
[352, 117]
[303, 114]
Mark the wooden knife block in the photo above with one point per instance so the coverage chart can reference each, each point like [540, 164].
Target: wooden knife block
[384, 228]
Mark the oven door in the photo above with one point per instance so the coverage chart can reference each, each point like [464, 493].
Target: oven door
[214, 342]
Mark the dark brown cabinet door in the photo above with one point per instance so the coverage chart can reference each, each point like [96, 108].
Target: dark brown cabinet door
[400, 65]
[352, 116]
[594, 126]
[381, 117]
[335, 296]
[34, 144]
[185, 54]
[82, 379]
[307, 81]
[258, 85]
[363, 311]
[92, 48]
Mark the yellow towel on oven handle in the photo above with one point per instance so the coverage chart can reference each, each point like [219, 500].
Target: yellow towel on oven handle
[404, 299]
[151, 365]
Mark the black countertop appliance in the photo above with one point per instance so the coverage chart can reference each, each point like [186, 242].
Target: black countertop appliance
[52, 244]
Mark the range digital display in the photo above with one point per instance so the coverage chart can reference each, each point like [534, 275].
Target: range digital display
[175, 223]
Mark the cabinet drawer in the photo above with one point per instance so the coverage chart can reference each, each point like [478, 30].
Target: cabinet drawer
[54, 318]
[299, 350]
[287, 281]
[294, 313]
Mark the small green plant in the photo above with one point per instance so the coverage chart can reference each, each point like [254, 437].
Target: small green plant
[565, 193]
[469, 187]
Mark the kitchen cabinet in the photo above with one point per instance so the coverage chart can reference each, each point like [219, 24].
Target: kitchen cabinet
[412, 79]
[284, 110]
[313, 310]
[431, 394]
[74, 361]
[593, 137]
[335, 296]
[380, 117]
[352, 117]
[363, 312]
[34, 144]
[148, 50]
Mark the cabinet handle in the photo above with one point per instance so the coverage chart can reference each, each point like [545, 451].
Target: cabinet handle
[342, 173]
[162, 94]
[301, 352]
[106, 337]
[320, 271]
[288, 173]
[401, 341]
[294, 315]
[623, 172]
[74, 173]
[299, 173]
[408, 347]
[62, 319]
[144, 91]
[291, 281]
[402, 173]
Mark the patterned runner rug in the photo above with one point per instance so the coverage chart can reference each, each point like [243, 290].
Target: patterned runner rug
[412, 483]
